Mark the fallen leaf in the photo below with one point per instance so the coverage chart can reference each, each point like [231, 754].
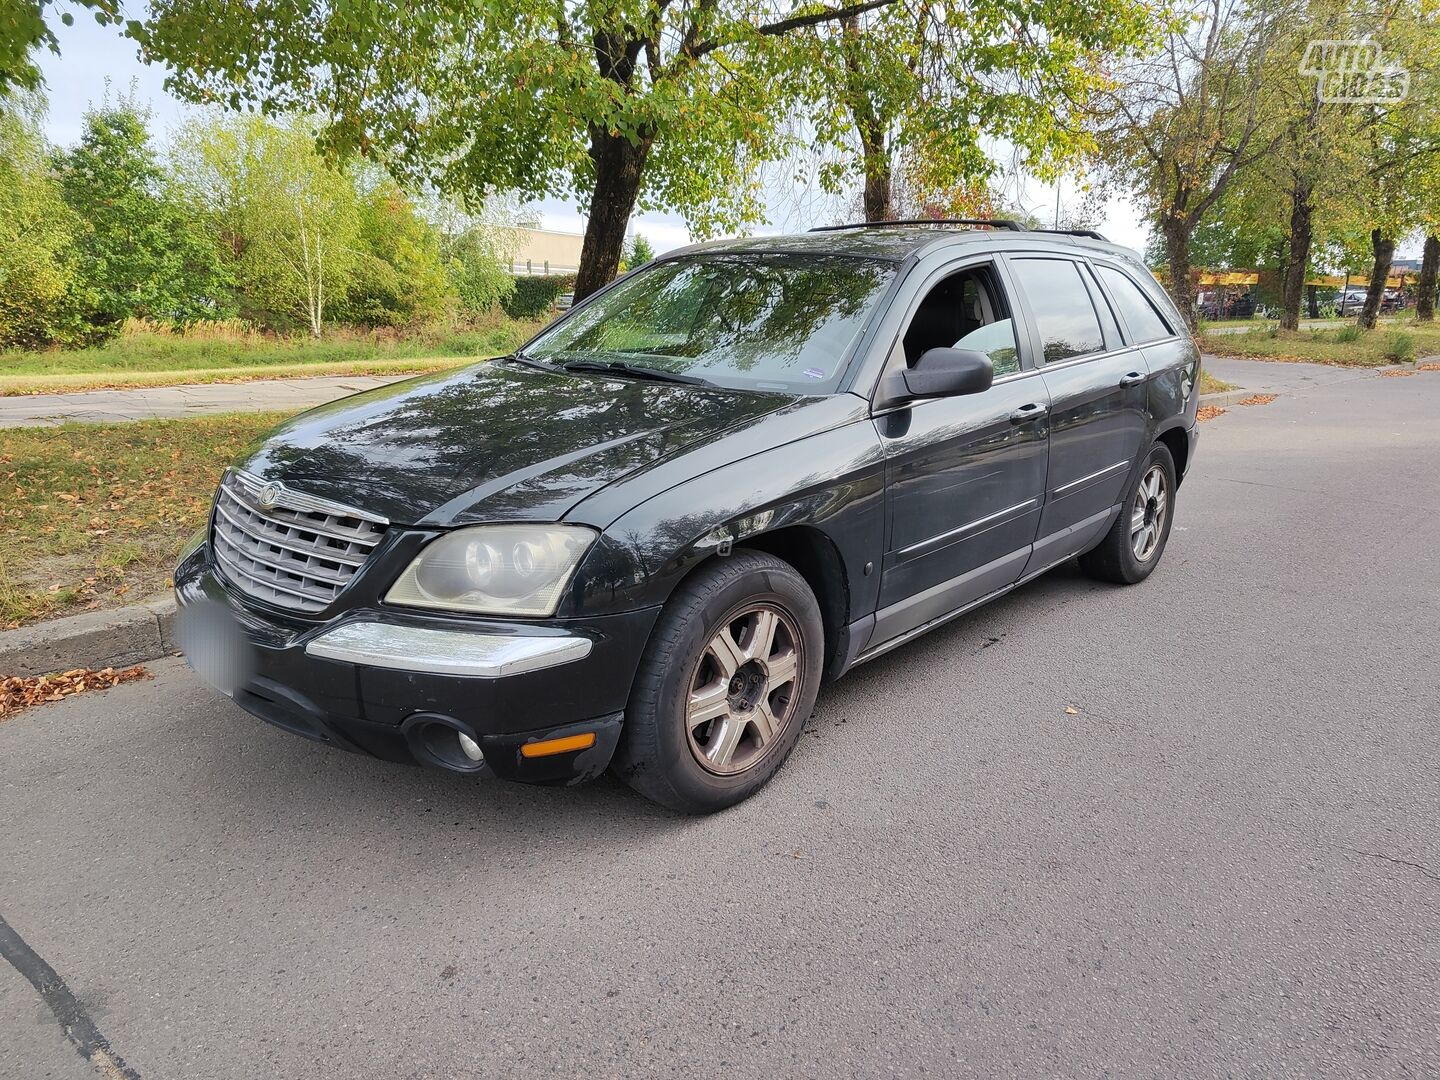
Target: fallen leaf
[1208, 412]
[1258, 399]
[19, 692]
[1070, 710]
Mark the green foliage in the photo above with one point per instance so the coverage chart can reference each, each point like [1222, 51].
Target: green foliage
[287, 220]
[924, 93]
[1400, 346]
[37, 242]
[536, 296]
[23, 29]
[637, 252]
[477, 258]
[1346, 334]
[140, 251]
[641, 102]
[399, 277]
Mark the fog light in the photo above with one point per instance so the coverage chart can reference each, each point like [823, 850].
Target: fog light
[470, 747]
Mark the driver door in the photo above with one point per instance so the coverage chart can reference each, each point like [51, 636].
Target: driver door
[965, 475]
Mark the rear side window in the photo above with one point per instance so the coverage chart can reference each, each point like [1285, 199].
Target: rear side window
[1064, 314]
[1139, 313]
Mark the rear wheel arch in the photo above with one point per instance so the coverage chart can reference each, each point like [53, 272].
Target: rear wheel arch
[1178, 443]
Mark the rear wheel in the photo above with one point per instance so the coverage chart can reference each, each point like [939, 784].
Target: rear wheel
[727, 681]
[1134, 544]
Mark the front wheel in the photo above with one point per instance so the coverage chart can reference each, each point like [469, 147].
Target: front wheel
[726, 683]
[1134, 544]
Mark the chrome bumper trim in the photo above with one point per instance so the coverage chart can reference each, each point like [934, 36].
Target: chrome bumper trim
[445, 652]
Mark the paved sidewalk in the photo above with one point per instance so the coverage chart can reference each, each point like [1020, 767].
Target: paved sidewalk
[1276, 376]
[169, 402]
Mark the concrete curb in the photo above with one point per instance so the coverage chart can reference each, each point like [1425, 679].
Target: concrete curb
[1230, 397]
[93, 639]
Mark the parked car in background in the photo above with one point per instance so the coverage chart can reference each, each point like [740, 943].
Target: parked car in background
[1216, 305]
[1350, 300]
[646, 539]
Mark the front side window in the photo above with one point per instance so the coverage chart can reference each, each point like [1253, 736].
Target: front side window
[1141, 318]
[1064, 314]
[752, 321]
[966, 310]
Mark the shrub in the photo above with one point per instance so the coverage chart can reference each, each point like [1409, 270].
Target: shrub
[1348, 334]
[1400, 347]
[536, 296]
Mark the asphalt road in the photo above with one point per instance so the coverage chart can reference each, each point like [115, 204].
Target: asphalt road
[1226, 862]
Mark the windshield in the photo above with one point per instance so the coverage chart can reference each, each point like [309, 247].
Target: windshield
[761, 322]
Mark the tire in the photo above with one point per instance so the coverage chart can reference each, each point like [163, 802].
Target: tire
[709, 723]
[1122, 557]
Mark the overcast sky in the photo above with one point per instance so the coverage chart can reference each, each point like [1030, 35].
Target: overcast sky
[92, 56]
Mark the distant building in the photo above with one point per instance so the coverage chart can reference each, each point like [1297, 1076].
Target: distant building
[543, 252]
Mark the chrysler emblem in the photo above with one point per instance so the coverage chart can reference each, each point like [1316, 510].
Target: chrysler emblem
[270, 495]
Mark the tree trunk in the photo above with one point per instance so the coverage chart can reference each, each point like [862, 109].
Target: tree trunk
[1429, 271]
[1176, 232]
[877, 174]
[1292, 287]
[619, 165]
[1384, 249]
[1314, 298]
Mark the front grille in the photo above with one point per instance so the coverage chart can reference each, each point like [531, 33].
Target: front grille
[299, 553]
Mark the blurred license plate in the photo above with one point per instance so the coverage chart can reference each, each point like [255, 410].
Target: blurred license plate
[215, 646]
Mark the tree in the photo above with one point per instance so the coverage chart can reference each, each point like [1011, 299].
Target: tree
[938, 80]
[400, 277]
[1401, 137]
[1176, 129]
[23, 29]
[36, 239]
[642, 103]
[139, 251]
[638, 252]
[286, 219]
[1426, 286]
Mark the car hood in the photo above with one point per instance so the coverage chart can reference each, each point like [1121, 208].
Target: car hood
[495, 442]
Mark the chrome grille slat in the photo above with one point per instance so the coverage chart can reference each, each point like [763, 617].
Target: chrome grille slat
[268, 533]
[306, 521]
[298, 559]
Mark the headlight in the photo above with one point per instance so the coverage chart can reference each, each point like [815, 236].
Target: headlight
[494, 569]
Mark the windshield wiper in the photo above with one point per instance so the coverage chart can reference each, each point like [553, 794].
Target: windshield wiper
[530, 361]
[635, 371]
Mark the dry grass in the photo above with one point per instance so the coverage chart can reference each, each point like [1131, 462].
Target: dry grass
[1346, 346]
[94, 514]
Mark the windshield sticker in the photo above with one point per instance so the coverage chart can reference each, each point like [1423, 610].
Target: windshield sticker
[814, 373]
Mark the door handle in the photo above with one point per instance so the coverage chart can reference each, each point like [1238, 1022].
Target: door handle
[1132, 378]
[1034, 411]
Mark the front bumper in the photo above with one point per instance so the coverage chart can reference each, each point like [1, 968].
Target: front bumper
[506, 685]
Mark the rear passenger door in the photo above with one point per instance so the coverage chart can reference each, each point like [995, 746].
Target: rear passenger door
[1098, 415]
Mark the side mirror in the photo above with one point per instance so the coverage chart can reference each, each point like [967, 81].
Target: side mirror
[949, 373]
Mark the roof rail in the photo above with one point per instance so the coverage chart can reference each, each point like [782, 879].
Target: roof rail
[994, 223]
[1091, 233]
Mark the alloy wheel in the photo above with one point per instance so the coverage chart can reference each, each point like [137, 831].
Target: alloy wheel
[1147, 514]
[744, 688]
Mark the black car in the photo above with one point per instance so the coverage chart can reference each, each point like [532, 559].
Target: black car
[646, 539]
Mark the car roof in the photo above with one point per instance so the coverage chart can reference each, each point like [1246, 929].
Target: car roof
[900, 241]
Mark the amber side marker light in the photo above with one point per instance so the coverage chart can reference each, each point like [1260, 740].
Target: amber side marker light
[547, 747]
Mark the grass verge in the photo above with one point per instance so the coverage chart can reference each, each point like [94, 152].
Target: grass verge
[1347, 346]
[26, 385]
[1211, 385]
[94, 514]
[152, 355]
